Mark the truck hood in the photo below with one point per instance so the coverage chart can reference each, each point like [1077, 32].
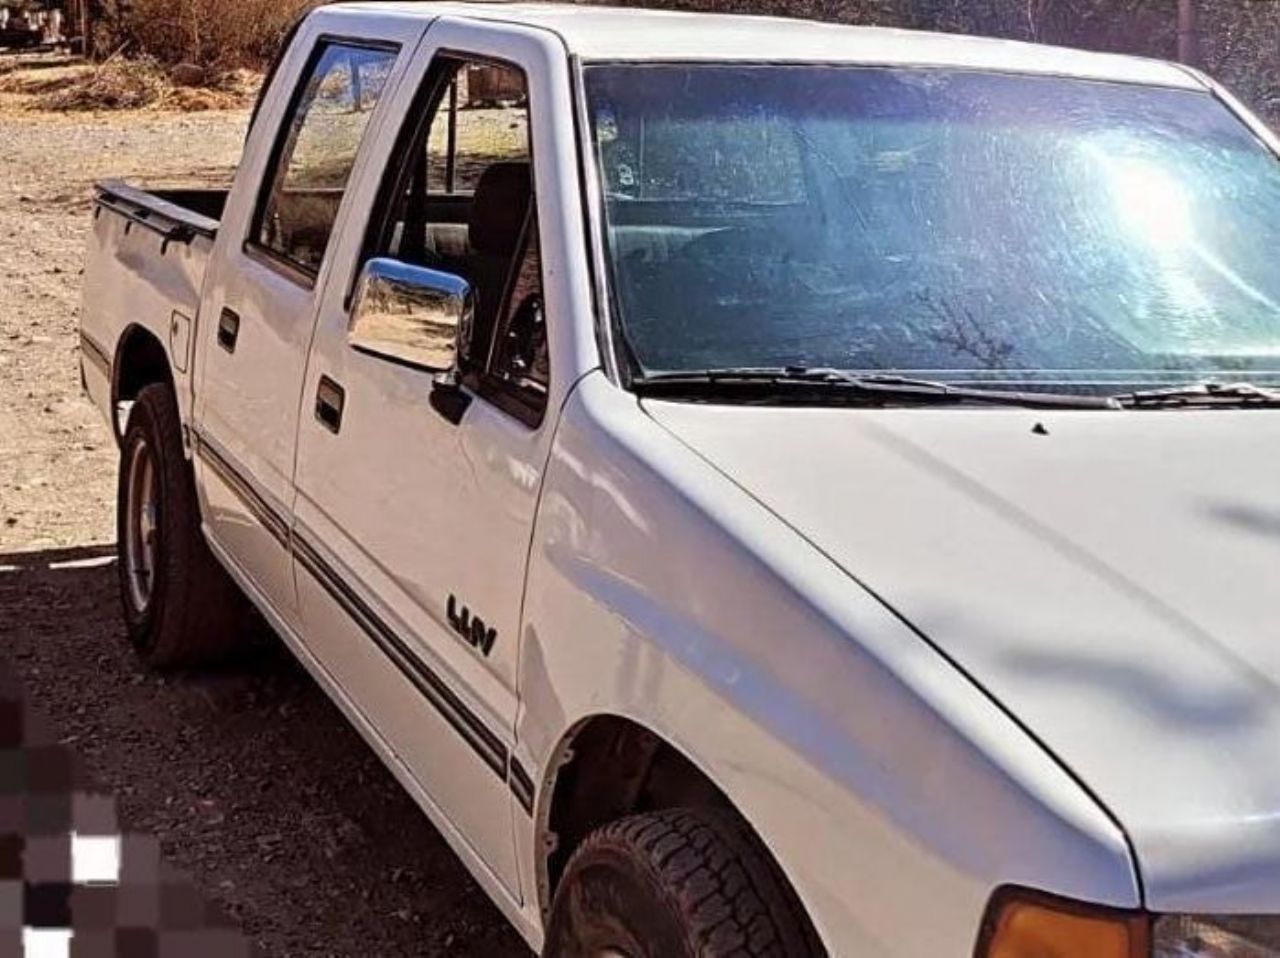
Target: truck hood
[1111, 578]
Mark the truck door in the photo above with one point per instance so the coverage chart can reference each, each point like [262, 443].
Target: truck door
[416, 503]
[259, 304]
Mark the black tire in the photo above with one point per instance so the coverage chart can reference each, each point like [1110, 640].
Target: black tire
[676, 884]
[193, 614]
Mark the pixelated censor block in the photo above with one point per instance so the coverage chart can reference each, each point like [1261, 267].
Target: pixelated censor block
[72, 885]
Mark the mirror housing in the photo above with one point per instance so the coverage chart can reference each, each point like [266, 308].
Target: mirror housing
[412, 315]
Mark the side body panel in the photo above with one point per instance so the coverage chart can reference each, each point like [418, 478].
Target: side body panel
[247, 405]
[399, 511]
[895, 794]
[357, 714]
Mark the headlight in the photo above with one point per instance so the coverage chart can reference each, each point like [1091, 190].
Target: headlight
[1026, 924]
[1184, 936]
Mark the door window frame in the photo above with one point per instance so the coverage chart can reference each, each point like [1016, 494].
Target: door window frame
[297, 273]
[486, 382]
[416, 130]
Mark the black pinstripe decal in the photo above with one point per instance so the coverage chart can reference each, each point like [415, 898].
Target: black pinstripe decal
[464, 721]
[95, 354]
[521, 785]
[271, 520]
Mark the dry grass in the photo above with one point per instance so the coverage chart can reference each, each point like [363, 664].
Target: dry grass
[118, 84]
[115, 85]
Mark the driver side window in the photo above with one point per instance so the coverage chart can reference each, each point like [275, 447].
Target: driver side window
[461, 201]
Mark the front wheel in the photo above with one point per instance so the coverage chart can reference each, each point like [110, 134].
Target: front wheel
[180, 607]
[684, 883]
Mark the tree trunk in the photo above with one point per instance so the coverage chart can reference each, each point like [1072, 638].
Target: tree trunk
[77, 26]
[1188, 39]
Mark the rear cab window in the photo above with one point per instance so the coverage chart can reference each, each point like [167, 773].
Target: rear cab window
[316, 153]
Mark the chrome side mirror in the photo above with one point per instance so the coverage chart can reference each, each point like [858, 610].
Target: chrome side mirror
[411, 315]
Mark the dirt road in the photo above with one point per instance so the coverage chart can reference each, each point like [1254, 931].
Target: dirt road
[252, 780]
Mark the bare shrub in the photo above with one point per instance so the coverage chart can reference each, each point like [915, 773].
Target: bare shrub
[218, 35]
[1239, 39]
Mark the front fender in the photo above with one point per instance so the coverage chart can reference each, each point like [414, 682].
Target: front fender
[895, 794]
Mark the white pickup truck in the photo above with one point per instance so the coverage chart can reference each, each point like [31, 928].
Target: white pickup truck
[765, 488]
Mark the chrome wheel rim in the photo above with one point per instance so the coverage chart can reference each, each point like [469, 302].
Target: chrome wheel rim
[141, 541]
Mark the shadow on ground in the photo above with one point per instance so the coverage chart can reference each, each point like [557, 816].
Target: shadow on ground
[254, 782]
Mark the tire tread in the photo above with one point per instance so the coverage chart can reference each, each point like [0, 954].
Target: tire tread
[202, 614]
[717, 876]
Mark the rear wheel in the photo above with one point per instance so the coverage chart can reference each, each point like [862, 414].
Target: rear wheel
[180, 607]
[684, 883]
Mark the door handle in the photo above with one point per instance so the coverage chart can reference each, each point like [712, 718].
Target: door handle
[228, 329]
[330, 398]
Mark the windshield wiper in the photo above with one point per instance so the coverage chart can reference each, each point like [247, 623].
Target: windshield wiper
[1203, 394]
[808, 384]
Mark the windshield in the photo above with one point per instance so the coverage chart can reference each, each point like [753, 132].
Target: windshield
[965, 227]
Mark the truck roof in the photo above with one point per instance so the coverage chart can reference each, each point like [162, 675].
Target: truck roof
[614, 33]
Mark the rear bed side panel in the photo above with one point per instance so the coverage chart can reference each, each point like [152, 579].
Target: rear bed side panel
[134, 276]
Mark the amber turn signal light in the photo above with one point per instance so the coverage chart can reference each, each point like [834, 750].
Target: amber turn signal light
[1024, 924]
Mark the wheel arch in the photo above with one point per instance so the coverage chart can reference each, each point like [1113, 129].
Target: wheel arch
[608, 766]
[141, 360]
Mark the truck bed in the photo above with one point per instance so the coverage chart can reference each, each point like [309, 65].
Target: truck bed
[165, 211]
[145, 271]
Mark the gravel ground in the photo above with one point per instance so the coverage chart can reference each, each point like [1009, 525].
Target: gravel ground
[254, 783]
